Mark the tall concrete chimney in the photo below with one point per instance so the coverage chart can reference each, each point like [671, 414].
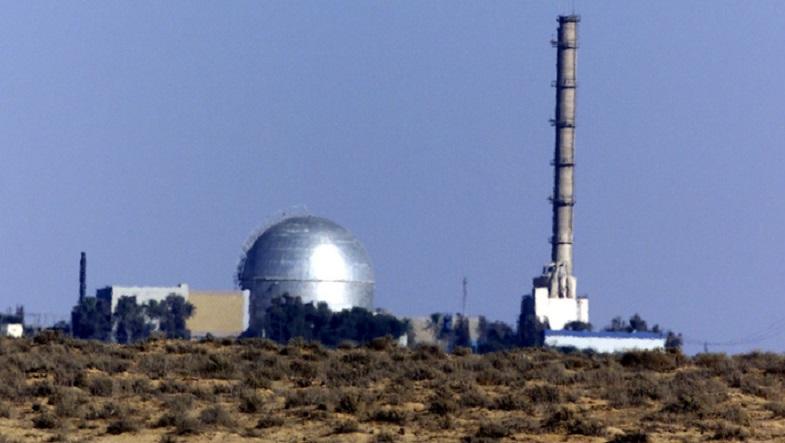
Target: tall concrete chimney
[554, 293]
[563, 198]
[82, 277]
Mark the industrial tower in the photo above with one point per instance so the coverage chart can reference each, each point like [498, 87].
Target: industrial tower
[555, 295]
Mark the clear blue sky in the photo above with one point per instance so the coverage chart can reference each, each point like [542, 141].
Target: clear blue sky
[157, 135]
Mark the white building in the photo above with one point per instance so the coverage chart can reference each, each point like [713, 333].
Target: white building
[607, 342]
[555, 299]
[143, 294]
[15, 330]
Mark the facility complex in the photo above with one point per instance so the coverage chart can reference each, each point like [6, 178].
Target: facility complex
[322, 262]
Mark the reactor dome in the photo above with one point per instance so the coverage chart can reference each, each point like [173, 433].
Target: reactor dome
[308, 257]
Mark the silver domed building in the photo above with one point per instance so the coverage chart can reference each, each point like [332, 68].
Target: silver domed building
[307, 257]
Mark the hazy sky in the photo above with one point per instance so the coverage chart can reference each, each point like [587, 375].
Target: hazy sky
[157, 136]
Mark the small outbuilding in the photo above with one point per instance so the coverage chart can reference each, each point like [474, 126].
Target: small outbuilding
[604, 341]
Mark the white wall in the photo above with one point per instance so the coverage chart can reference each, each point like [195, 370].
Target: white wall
[144, 294]
[12, 330]
[605, 344]
[559, 311]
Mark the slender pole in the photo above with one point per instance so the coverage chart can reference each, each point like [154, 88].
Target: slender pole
[82, 277]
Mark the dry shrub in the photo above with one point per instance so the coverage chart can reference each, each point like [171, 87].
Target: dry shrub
[382, 343]
[492, 429]
[657, 361]
[582, 425]
[184, 422]
[250, 401]
[727, 431]
[270, 421]
[389, 415]
[631, 437]
[256, 380]
[46, 420]
[172, 386]
[553, 373]
[187, 424]
[764, 386]
[777, 408]
[5, 411]
[100, 386]
[70, 373]
[42, 388]
[543, 394]
[68, 402]
[461, 351]
[307, 397]
[348, 426]
[718, 364]
[767, 362]
[442, 405]
[384, 437]
[474, 398]
[216, 415]
[734, 414]
[14, 386]
[155, 365]
[693, 393]
[557, 419]
[303, 373]
[349, 401]
[214, 365]
[512, 402]
[426, 352]
[122, 426]
[106, 411]
[634, 392]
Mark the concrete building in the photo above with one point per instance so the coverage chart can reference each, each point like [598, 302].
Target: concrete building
[555, 293]
[444, 331]
[143, 294]
[218, 313]
[605, 341]
[15, 330]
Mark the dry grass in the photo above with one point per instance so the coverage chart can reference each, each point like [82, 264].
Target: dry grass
[62, 390]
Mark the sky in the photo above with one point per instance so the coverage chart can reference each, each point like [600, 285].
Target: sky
[157, 136]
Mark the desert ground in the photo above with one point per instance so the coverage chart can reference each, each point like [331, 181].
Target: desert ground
[60, 389]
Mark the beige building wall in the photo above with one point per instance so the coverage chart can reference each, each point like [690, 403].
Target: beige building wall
[219, 313]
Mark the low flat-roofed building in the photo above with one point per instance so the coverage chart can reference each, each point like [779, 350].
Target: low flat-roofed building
[605, 341]
[15, 330]
[218, 313]
[222, 313]
[143, 294]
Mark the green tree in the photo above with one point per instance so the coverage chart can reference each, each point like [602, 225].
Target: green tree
[496, 336]
[578, 326]
[91, 319]
[617, 325]
[288, 317]
[131, 323]
[638, 324]
[171, 315]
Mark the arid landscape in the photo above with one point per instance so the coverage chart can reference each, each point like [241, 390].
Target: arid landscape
[57, 389]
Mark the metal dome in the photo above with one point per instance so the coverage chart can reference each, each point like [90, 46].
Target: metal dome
[309, 257]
